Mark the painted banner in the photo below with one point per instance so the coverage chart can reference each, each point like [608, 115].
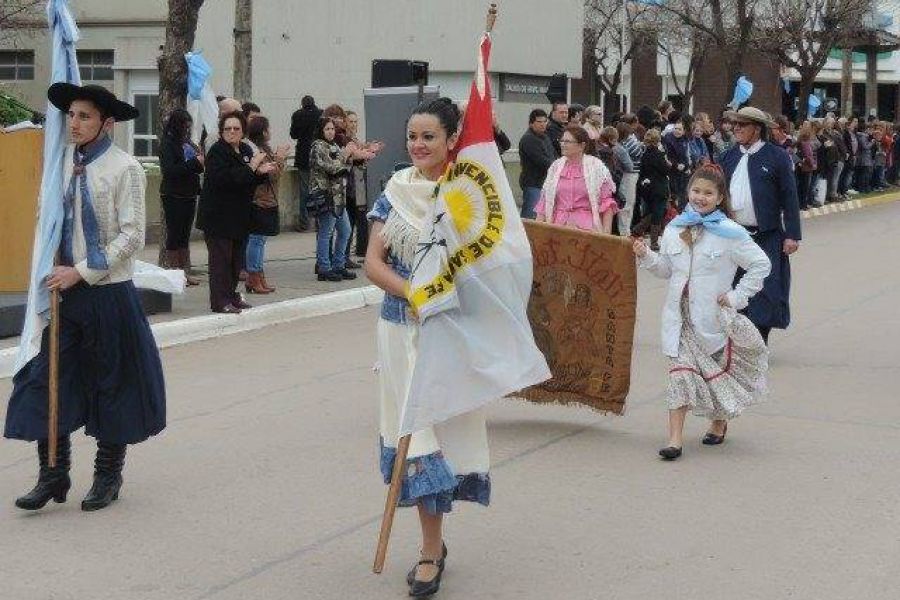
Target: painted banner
[582, 313]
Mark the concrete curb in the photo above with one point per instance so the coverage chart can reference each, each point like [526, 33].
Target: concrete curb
[194, 329]
[836, 207]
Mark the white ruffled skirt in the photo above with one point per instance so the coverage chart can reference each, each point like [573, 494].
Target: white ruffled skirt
[723, 385]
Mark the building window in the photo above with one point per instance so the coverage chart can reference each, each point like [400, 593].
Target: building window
[17, 65]
[95, 65]
[145, 144]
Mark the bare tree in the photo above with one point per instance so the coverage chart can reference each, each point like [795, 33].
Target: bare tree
[181, 28]
[804, 32]
[18, 17]
[611, 37]
[685, 50]
[727, 25]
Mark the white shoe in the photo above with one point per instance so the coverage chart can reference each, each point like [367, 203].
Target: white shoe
[852, 192]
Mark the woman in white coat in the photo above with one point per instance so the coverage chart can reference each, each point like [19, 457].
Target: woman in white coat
[718, 359]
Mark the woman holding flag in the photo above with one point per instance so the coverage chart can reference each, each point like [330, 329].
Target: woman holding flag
[449, 461]
[451, 253]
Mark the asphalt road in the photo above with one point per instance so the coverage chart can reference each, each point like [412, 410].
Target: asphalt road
[265, 484]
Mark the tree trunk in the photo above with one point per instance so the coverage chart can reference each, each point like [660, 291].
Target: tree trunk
[804, 88]
[243, 50]
[181, 27]
[847, 82]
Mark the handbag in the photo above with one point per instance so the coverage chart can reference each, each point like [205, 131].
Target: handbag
[265, 221]
[318, 201]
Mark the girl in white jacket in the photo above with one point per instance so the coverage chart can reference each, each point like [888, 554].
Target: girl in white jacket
[718, 359]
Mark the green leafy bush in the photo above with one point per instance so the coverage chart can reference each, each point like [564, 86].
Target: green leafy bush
[12, 111]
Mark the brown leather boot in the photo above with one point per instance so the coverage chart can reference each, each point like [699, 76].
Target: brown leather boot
[262, 275]
[254, 284]
[184, 262]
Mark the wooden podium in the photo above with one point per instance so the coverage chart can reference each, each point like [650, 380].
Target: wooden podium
[20, 179]
[20, 183]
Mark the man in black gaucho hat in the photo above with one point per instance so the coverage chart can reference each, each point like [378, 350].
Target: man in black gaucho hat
[763, 195]
[110, 375]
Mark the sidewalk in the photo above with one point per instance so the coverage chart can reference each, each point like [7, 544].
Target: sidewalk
[290, 263]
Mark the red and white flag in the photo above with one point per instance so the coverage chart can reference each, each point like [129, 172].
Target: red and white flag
[471, 281]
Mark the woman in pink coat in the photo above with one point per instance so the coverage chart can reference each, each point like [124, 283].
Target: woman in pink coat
[579, 189]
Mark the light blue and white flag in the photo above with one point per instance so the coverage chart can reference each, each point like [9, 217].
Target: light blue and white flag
[813, 105]
[743, 89]
[201, 100]
[63, 68]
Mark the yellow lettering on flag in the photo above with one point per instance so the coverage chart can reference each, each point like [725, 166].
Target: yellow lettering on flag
[467, 250]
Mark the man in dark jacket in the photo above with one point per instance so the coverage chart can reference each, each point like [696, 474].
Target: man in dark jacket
[559, 119]
[535, 157]
[500, 137]
[764, 200]
[303, 129]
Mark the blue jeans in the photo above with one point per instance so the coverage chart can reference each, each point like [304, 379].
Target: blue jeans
[256, 253]
[530, 198]
[328, 257]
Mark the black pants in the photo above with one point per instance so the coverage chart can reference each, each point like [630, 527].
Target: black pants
[226, 259]
[179, 214]
[804, 189]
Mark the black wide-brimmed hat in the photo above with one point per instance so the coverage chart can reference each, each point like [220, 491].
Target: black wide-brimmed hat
[61, 95]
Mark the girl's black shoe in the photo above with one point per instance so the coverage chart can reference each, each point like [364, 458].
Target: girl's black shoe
[345, 274]
[711, 439]
[423, 589]
[670, 453]
[411, 576]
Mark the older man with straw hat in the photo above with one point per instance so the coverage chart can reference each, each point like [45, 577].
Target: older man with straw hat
[763, 195]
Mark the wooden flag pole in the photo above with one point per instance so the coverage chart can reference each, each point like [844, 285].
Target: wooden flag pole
[53, 395]
[393, 496]
[390, 505]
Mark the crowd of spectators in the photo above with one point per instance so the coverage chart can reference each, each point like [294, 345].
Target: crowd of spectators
[625, 175]
[649, 157]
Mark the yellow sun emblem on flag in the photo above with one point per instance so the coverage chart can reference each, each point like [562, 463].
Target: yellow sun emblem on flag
[460, 206]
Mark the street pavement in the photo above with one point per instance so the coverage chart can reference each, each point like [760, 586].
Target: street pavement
[265, 484]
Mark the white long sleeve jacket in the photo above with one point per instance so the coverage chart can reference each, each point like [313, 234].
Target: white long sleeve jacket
[707, 270]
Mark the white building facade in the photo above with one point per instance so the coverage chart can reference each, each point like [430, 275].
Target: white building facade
[323, 48]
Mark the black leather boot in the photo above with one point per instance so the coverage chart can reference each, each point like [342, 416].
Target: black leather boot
[107, 476]
[53, 484]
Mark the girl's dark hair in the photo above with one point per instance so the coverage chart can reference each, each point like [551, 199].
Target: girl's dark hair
[444, 109]
[320, 128]
[177, 124]
[256, 133]
[235, 114]
[714, 174]
[307, 102]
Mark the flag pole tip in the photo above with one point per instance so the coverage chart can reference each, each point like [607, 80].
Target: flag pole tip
[491, 17]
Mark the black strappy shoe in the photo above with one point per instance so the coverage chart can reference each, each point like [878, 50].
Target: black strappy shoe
[411, 576]
[423, 589]
[670, 453]
[711, 439]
